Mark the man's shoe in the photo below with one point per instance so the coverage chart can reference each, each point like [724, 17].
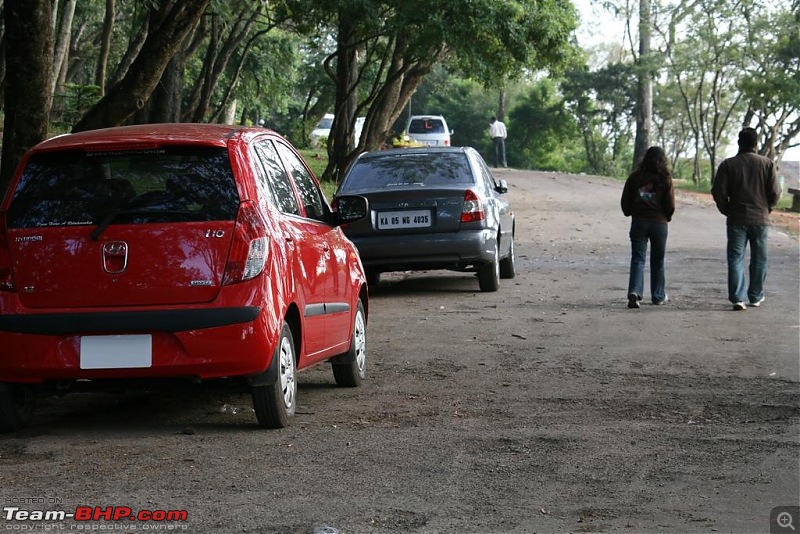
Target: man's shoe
[660, 302]
[633, 300]
[757, 303]
[739, 306]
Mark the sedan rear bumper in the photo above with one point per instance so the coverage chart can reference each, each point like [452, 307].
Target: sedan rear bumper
[451, 250]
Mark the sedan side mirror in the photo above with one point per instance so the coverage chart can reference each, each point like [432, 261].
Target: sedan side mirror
[501, 187]
[349, 209]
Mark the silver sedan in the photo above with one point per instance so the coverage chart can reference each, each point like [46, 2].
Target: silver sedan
[432, 208]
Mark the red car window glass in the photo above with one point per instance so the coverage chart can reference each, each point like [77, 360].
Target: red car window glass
[74, 188]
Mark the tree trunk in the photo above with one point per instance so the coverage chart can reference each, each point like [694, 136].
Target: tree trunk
[105, 47]
[696, 161]
[2, 59]
[62, 43]
[134, 47]
[28, 94]
[202, 89]
[220, 56]
[175, 20]
[340, 142]
[644, 86]
[166, 99]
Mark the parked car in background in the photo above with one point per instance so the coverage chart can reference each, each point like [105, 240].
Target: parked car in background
[321, 131]
[175, 251]
[428, 130]
[431, 208]
[319, 135]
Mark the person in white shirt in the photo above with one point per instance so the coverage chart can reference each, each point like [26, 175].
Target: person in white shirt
[497, 131]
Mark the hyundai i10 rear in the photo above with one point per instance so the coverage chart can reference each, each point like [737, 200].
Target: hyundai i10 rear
[167, 251]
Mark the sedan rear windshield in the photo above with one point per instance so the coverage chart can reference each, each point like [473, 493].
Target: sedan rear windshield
[178, 184]
[411, 169]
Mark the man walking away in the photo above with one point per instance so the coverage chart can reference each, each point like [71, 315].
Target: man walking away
[497, 131]
[745, 190]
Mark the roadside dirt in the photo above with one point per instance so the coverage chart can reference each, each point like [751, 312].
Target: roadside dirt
[547, 406]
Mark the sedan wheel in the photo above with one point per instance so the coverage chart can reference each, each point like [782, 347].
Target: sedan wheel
[275, 404]
[353, 370]
[16, 406]
[489, 274]
[507, 268]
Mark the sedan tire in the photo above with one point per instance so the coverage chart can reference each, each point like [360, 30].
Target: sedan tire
[507, 267]
[489, 274]
[275, 404]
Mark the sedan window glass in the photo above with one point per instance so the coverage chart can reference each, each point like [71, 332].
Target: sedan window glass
[174, 184]
[405, 169]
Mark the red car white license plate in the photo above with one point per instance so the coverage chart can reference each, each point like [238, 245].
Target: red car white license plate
[116, 352]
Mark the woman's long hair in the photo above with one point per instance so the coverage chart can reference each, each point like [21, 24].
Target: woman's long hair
[655, 163]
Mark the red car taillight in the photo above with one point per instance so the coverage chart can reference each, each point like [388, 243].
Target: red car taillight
[6, 280]
[473, 207]
[249, 248]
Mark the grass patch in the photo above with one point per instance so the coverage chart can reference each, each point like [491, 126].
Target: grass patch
[317, 159]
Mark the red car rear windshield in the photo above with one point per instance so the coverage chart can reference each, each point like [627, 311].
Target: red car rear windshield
[177, 184]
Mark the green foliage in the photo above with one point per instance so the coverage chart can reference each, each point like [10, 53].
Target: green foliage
[542, 133]
[477, 50]
[71, 105]
[771, 86]
[602, 103]
[510, 35]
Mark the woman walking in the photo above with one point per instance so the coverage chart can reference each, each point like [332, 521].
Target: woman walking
[649, 198]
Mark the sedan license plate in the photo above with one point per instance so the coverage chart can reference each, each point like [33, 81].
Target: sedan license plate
[116, 352]
[388, 220]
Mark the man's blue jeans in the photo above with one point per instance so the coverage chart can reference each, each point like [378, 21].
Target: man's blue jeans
[641, 232]
[738, 238]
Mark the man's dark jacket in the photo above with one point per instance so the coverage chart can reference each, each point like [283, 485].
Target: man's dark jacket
[746, 189]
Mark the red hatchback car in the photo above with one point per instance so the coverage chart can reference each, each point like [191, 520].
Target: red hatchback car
[175, 250]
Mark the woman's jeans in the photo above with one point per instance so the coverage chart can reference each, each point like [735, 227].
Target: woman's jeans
[738, 238]
[643, 231]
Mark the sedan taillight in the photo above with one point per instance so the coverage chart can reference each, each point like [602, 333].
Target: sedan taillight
[6, 279]
[249, 248]
[473, 207]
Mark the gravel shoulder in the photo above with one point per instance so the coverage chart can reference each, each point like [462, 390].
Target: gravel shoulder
[547, 406]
